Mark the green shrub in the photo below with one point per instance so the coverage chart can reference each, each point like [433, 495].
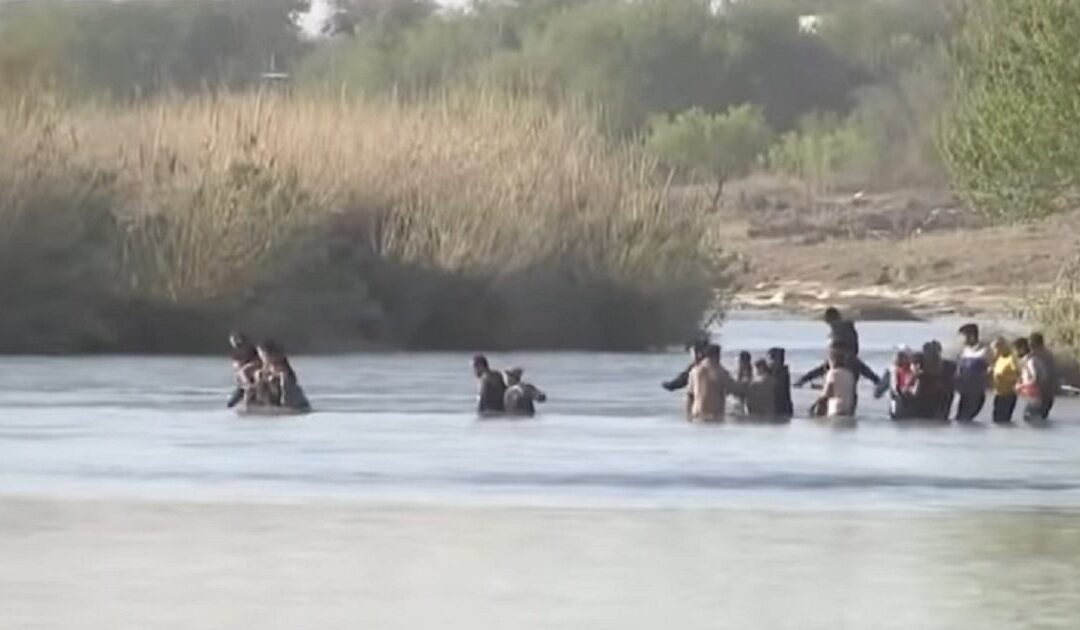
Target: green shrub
[719, 147]
[1011, 140]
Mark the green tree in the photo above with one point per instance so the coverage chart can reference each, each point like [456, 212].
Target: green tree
[718, 146]
[1012, 139]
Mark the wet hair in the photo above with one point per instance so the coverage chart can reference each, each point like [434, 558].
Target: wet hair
[479, 361]
[1037, 341]
[1022, 345]
[712, 352]
[832, 314]
[777, 355]
[970, 330]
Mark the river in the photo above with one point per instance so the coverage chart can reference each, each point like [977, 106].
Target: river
[132, 499]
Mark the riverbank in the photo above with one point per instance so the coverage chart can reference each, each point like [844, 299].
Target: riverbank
[880, 303]
[117, 565]
[897, 255]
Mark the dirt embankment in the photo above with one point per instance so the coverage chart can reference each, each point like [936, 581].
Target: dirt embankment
[897, 255]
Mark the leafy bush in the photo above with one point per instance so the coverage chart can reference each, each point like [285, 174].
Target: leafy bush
[818, 153]
[716, 146]
[1012, 138]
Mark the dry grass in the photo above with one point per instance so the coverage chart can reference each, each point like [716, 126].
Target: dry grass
[216, 195]
[1058, 310]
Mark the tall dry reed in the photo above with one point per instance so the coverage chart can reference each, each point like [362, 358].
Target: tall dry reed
[504, 208]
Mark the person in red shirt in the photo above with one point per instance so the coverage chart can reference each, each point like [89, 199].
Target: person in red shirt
[903, 380]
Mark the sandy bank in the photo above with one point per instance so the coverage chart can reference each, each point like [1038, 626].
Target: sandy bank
[119, 565]
[881, 303]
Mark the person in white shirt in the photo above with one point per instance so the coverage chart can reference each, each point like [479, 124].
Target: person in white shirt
[972, 374]
[1031, 387]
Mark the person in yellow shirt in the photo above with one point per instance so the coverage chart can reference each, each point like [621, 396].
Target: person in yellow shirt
[1004, 375]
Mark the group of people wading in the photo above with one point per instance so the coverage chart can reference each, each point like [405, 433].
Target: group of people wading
[504, 393]
[264, 377]
[922, 385]
[925, 384]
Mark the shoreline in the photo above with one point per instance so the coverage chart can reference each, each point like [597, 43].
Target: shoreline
[881, 303]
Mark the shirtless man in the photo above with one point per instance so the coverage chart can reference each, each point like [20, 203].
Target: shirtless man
[709, 387]
[697, 353]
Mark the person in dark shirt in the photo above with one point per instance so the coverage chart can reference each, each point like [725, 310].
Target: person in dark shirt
[940, 374]
[923, 393]
[697, 353]
[782, 405]
[1051, 384]
[492, 394]
[277, 382]
[843, 338]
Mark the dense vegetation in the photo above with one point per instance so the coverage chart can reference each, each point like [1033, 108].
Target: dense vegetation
[1013, 139]
[498, 175]
[871, 70]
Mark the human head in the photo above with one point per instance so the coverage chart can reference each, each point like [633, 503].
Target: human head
[931, 351]
[745, 358]
[1037, 341]
[712, 354]
[238, 340]
[776, 356]
[1023, 346]
[480, 365]
[918, 362]
[1002, 347]
[903, 356]
[697, 349]
[970, 333]
[832, 315]
[513, 376]
[761, 367]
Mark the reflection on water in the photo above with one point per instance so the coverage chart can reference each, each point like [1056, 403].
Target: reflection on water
[117, 565]
[276, 523]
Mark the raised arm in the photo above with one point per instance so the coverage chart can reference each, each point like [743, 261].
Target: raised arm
[679, 382]
[812, 375]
